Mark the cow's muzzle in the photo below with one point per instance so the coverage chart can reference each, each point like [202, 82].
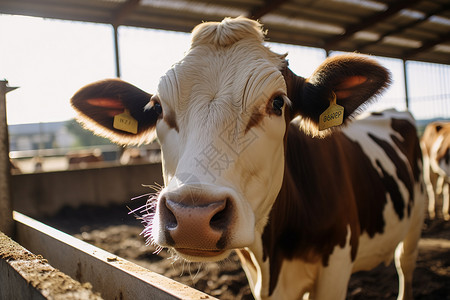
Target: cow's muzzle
[194, 226]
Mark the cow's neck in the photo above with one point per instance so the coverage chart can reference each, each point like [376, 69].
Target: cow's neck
[302, 224]
[322, 197]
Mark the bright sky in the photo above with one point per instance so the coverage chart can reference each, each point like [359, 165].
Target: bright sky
[50, 60]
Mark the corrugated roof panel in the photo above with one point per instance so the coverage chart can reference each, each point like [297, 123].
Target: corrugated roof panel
[365, 4]
[402, 42]
[195, 7]
[418, 34]
[290, 37]
[338, 24]
[293, 9]
[444, 48]
[301, 24]
[412, 14]
[366, 36]
[440, 20]
[115, 1]
[434, 27]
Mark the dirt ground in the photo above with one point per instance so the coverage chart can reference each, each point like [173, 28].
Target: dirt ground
[114, 230]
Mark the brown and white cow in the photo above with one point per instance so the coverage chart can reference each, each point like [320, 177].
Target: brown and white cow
[435, 144]
[244, 169]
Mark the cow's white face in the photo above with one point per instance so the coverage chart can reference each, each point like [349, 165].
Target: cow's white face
[220, 115]
[221, 131]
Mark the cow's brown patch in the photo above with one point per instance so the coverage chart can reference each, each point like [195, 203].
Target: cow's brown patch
[315, 204]
[170, 119]
[443, 152]
[329, 185]
[259, 113]
[389, 181]
[256, 117]
[410, 145]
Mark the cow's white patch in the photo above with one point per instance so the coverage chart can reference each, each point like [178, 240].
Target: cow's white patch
[381, 247]
[299, 278]
[439, 166]
[380, 127]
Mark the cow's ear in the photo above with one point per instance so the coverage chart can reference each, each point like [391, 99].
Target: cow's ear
[352, 80]
[116, 110]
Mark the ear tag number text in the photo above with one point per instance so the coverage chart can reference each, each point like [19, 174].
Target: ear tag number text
[332, 116]
[125, 122]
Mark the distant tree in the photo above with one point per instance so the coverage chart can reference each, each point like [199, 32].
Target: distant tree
[84, 137]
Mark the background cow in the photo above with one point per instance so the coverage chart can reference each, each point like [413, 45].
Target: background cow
[435, 144]
[243, 167]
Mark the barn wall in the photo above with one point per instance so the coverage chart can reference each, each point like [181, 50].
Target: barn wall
[44, 194]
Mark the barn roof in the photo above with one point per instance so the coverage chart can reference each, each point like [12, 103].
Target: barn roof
[406, 29]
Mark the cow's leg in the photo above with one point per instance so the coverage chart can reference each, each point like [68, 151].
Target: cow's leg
[405, 264]
[439, 184]
[407, 250]
[427, 174]
[332, 280]
[295, 280]
[446, 201]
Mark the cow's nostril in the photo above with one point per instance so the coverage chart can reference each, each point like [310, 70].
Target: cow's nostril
[220, 219]
[169, 217]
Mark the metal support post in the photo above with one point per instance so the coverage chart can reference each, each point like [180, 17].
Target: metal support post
[6, 219]
[405, 77]
[116, 49]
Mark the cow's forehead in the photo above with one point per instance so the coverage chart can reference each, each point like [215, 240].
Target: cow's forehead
[235, 76]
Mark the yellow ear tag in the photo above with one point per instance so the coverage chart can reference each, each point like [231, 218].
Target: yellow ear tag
[332, 116]
[125, 122]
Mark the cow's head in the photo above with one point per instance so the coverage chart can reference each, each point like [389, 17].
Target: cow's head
[220, 115]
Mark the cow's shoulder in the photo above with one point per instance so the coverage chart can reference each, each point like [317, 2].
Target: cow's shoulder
[342, 183]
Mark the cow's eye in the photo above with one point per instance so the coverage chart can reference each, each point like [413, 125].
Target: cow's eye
[277, 104]
[156, 107]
